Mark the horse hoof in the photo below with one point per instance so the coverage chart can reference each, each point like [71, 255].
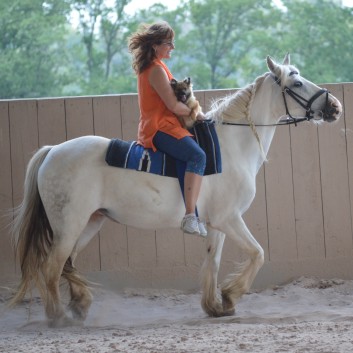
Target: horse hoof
[78, 310]
[212, 308]
[229, 312]
[78, 314]
[218, 311]
[228, 305]
[64, 322]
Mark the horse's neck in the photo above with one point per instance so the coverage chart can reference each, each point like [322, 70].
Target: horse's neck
[267, 105]
[266, 109]
[241, 151]
[240, 142]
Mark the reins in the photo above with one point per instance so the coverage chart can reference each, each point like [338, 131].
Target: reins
[288, 121]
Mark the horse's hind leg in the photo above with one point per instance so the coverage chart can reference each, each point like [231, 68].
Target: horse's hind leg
[52, 269]
[210, 302]
[56, 264]
[81, 297]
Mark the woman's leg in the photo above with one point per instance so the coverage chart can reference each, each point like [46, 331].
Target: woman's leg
[192, 186]
[187, 150]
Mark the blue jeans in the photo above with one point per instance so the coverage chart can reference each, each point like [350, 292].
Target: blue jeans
[185, 149]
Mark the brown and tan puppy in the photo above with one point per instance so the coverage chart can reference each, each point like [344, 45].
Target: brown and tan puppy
[184, 93]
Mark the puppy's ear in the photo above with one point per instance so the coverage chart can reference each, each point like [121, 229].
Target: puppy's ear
[187, 80]
[173, 82]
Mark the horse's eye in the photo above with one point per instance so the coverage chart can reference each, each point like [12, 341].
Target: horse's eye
[298, 84]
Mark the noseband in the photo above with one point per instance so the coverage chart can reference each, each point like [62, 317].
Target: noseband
[306, 104]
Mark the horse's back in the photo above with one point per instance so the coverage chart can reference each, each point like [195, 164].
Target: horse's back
[79, 155]
[82, 146]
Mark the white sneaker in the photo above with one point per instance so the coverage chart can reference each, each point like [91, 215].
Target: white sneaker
[190, 224]
[202, 228]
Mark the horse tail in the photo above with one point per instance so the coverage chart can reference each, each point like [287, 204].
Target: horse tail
[31, 231]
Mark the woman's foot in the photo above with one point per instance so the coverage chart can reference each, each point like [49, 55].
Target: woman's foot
[190, 224]
[202, 228]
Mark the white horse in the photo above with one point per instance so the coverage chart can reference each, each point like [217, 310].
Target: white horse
[70, 191]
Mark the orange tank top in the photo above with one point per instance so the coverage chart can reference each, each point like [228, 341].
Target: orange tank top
[154, 115]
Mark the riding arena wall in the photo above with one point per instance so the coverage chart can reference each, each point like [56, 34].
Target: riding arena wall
[301, 216]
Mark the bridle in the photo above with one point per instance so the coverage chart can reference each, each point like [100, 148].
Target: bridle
[303, 102]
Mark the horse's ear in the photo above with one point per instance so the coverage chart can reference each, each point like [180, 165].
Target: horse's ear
[273, 67]
[286, 60]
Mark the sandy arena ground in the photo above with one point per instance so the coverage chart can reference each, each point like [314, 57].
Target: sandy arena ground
[307, 315]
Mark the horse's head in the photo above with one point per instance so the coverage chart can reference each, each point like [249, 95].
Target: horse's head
[303, 98]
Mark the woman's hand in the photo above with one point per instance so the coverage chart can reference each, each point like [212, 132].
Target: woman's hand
[159, 81]
[200, 116]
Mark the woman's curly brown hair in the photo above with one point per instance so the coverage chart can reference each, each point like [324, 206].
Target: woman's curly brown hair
[141, 43]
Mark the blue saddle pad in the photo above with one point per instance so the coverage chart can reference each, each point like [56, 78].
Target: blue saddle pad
[130, 155]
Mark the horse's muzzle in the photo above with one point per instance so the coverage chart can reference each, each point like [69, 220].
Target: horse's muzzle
[333, 110]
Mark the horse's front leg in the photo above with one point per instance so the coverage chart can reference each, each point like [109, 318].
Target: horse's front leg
[210, 302]
[239, 282]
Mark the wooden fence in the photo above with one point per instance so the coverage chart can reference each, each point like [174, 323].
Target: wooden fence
[302, 213]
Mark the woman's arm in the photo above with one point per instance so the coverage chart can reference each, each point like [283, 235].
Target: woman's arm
[159, 81]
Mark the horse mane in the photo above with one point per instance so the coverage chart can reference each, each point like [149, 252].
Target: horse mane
[235, 106]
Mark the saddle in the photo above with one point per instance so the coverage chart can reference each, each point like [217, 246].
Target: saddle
[130, 155]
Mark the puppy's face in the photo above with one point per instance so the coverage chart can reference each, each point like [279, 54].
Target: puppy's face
[182, 89]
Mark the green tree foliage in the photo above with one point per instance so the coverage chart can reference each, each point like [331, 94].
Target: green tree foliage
[219, 43]
[319, 33]
[31, 38]
[223, 32]
[103, 30]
